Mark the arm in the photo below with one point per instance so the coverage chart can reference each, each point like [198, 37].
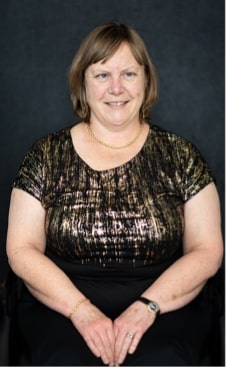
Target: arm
[183, 280]
[25, 249]
[26, 244]
[203, 252]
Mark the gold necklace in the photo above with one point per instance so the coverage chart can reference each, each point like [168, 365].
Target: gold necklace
[115, 147]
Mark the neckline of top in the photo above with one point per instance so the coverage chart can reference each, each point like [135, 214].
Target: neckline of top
[113, 169]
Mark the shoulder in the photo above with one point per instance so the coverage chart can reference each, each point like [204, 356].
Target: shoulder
[173, 141]
[181, 154]
[170, 144]
[183, 158]
[54, 138]
[53, 142]
[171, 137]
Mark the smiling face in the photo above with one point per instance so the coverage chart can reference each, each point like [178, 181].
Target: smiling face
[115, 88]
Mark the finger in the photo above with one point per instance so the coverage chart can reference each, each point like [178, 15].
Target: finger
[111, 341]
[98, 349]
[107, 341]
[119, 341]
[102, 345]
[134, 343]
[125, 345]
[93, 346]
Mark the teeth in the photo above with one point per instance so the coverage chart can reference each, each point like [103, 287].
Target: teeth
[116, 103]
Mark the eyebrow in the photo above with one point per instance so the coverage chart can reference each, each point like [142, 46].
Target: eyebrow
[101, 69]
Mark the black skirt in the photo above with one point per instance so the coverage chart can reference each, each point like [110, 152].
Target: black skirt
[175, 339]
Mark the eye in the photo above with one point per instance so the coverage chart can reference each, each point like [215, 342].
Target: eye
[102, 76]
[130, 75]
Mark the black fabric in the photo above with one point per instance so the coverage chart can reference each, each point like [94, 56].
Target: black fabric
[176, 338]
[122, 215]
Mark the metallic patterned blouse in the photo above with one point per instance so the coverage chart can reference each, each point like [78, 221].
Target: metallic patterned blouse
[129, 214]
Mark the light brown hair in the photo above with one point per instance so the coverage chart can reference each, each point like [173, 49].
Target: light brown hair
[101, 44]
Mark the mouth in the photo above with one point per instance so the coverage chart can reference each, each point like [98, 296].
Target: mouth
[117, 103]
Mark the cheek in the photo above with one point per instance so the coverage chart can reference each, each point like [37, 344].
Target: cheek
[139, 91]
[94, 92]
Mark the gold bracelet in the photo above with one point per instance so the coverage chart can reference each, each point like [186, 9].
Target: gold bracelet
[74, 309]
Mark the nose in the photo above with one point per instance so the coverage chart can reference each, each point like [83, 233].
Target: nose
[115, 87]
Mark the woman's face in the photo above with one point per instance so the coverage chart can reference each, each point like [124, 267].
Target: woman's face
[115, 89]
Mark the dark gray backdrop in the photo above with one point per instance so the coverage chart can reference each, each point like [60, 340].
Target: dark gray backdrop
[38, 39]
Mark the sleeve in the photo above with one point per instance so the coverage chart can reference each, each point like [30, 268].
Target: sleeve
[196, 173]
[30, 177]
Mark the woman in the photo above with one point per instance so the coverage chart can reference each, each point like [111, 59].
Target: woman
[114, 223]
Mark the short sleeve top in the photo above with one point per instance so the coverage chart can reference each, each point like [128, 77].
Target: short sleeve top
[129, 214]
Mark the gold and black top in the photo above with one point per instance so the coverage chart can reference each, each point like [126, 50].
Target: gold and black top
[131, 214]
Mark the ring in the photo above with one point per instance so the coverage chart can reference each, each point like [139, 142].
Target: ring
[130, 335]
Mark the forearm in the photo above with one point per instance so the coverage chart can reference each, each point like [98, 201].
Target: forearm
[46, 281]
[181, 282]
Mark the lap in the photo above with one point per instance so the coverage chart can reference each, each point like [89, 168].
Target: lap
[175, 339]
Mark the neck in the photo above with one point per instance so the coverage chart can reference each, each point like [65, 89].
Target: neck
[130, 143]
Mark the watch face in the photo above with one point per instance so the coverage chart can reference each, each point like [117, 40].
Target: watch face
[153, 307]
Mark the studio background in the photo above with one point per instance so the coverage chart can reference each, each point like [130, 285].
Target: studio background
[38, 39]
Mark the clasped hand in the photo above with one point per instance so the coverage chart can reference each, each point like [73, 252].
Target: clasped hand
[113, 340]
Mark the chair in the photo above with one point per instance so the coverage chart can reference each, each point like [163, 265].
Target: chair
[215, 292]
[17, 352]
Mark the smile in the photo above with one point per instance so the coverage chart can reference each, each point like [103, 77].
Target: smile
[118, 103]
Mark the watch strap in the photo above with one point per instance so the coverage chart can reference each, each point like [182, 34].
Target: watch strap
[148, 302]
[144, 300]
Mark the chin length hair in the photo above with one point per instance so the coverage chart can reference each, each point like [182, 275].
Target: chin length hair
[101, 44]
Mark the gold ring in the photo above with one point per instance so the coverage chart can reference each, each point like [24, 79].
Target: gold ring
[130, 335]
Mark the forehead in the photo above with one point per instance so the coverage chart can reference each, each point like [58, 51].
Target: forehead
[122, 58]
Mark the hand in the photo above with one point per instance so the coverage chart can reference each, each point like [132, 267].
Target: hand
[97, 331]
[129, 328]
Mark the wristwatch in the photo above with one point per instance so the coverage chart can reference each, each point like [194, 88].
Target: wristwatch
[151, 305]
